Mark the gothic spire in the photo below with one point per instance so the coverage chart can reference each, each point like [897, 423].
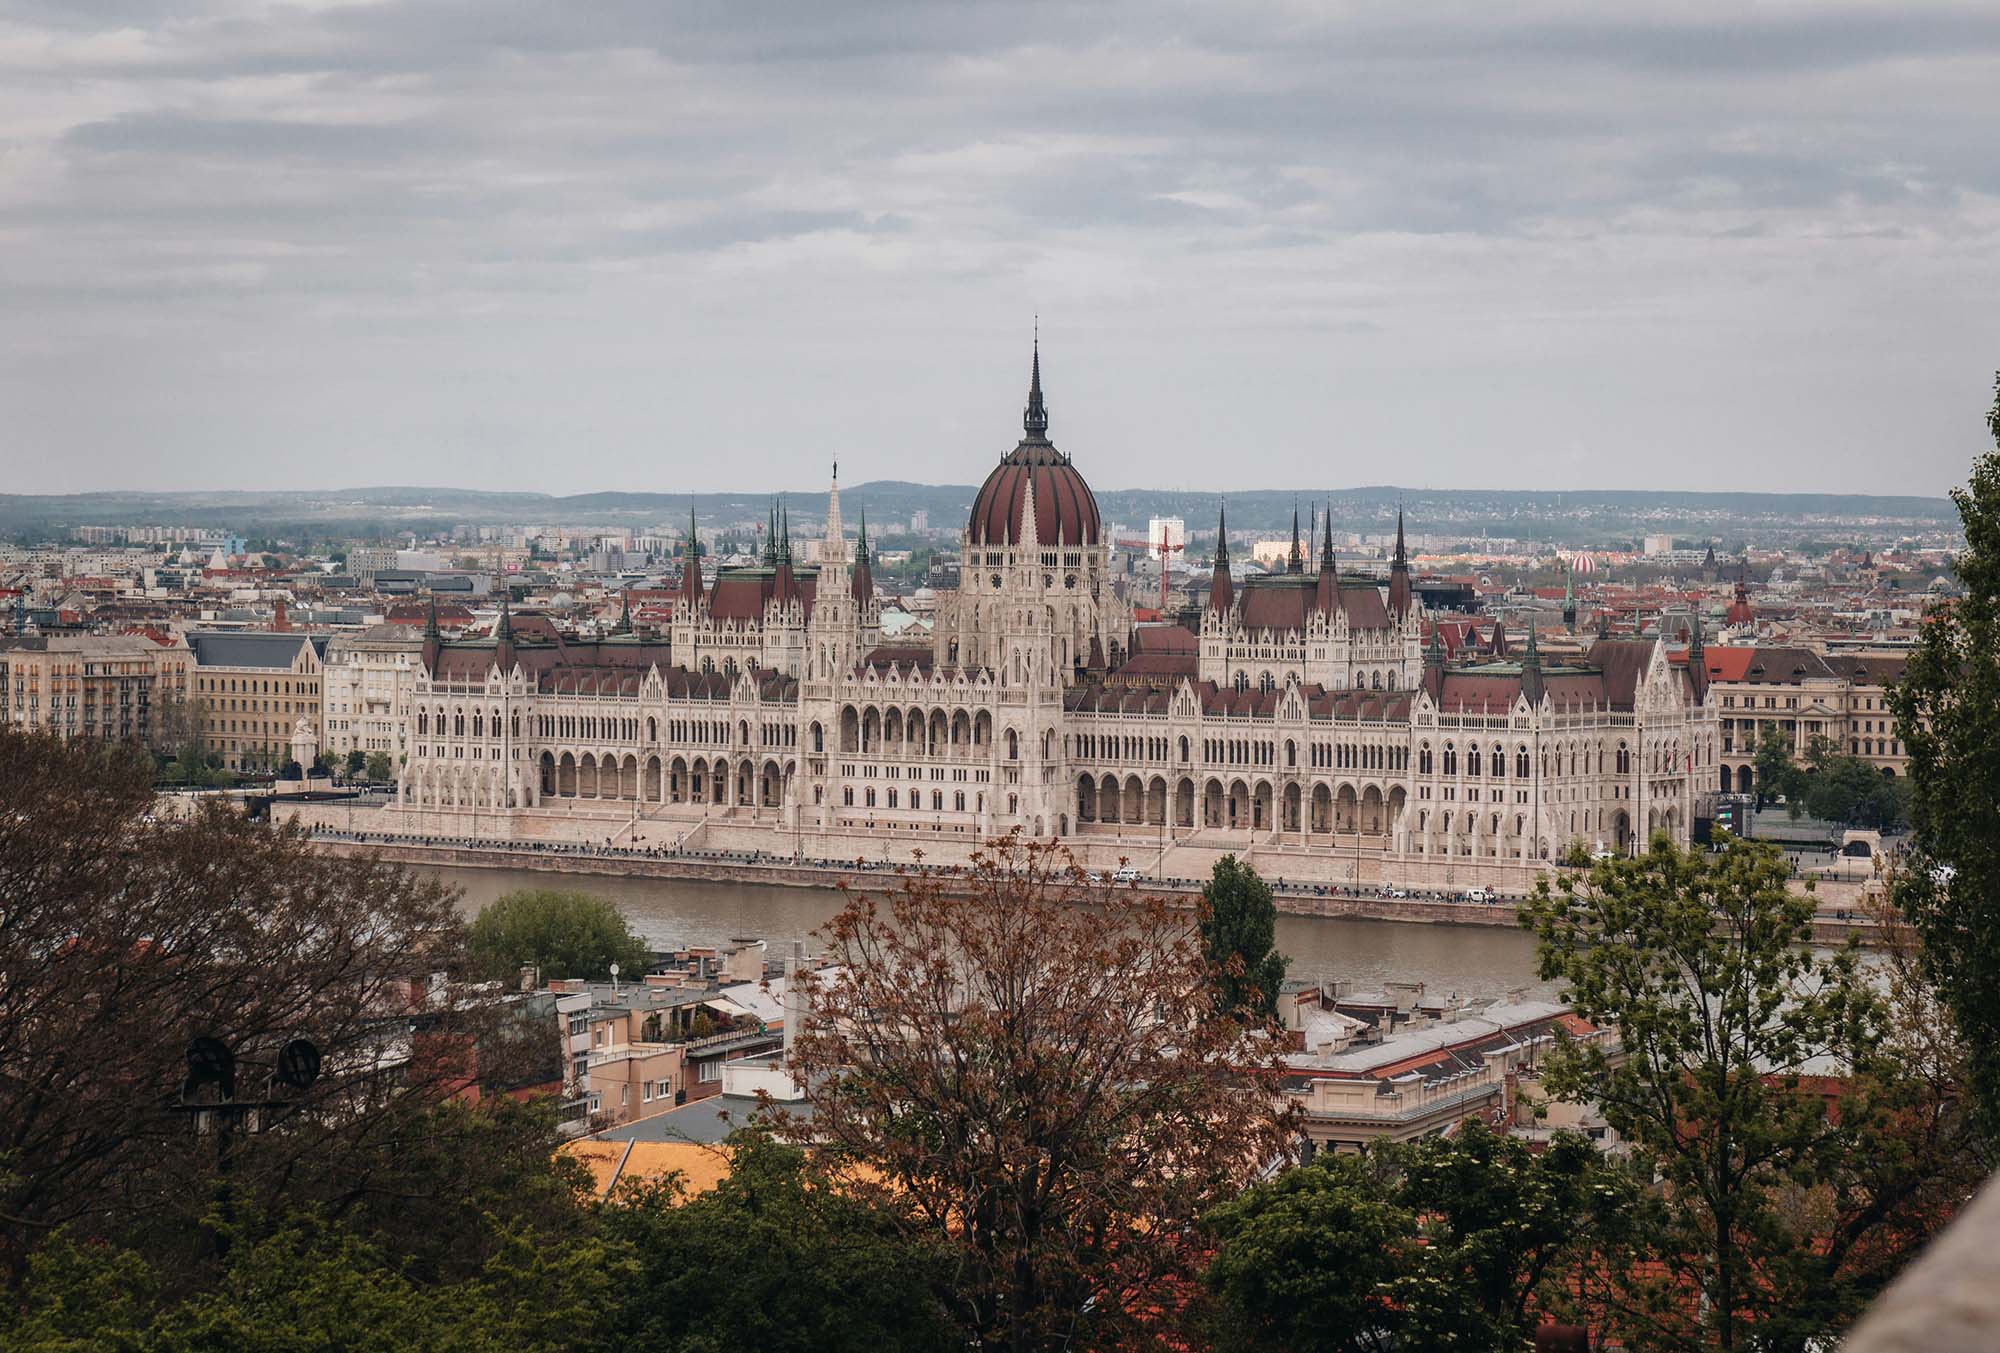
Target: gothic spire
[503, 628]
[1326, 546]
[862, 581]
[1296, 562]
[431, 620]
[1402, 557]
[1221, 594]
[784, 532]
[1035, 418]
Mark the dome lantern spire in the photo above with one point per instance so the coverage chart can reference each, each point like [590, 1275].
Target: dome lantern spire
[1035, 418]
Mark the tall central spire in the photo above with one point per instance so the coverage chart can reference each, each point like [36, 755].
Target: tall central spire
[1035, 418]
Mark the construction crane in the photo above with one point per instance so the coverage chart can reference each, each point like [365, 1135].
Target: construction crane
[1162, 549]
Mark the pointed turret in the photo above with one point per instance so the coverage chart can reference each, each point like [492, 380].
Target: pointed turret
[771, 538]
[1399, 574]
[1569, 597]
[690, 591]
[1697, 660]
[433, 639]
[1031, 533]
[1326, 595]
[1221, 590]
[624, 625]
[862, 580]
[1531, 671]
[503, 638]
[1295, 562]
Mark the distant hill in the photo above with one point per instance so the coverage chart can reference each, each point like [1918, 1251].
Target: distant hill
[1580, 515]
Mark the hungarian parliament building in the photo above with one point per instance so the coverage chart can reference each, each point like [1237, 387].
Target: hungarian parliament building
[1313, 719]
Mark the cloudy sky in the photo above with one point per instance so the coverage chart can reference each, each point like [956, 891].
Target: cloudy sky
[568, 246]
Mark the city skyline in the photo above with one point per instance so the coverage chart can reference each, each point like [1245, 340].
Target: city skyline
[1695, 246]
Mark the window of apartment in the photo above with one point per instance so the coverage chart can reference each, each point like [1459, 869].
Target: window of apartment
[711, 1071]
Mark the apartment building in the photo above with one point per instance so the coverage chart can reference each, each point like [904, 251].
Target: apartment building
[1804, 695]
[365, 689]
[252, 689]
[114, 687]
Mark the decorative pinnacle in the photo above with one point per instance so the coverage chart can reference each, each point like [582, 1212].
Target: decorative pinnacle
[1222, 537]
[1035, 418]
[1401, 557]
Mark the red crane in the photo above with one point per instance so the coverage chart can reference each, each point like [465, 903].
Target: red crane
[1166, 553]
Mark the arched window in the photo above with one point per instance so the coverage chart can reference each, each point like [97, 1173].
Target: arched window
[1242, 682]
[1450, 759]
[1013, 745]
[1291, 753]
[1184, 750]
[1472, 761]
[1521, 762]
[1265, 683]
[1624, 759]
[1424, 759]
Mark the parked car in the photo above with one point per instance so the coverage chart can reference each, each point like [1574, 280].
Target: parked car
[1125, 874]
[1478, 894]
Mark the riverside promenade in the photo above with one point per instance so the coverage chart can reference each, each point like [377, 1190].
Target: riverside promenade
[1834, 926]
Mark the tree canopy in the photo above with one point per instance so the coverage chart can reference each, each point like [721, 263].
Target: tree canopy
[1947, 709]
[563, 933]
[1239, 931]
[1759, 1079]
[1031, 1066]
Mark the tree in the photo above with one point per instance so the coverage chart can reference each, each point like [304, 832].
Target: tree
[379, 767]
[1750, 1078]
[357, 761]
[1947, 709]
[1776, 772]
[1309, 1260]
[564, 934]
[122, 937]
[1030, 1064]
[1451, 1242]
[780, 1256]
[1239, 924]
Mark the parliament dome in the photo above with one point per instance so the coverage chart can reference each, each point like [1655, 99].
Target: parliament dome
[1065, 508]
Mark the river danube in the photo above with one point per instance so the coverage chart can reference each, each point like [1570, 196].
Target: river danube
[1473, 961]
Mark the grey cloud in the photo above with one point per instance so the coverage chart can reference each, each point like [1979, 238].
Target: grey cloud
[220, 218]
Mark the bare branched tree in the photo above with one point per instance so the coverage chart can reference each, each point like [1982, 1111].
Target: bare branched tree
[122, 938]
[1028, 1058]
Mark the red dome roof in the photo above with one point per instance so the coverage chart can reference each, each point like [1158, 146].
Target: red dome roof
[1065, 508]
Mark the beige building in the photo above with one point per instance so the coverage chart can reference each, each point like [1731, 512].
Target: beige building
[1804, 695]
[252, 688]
[115, 687]
[365, 691]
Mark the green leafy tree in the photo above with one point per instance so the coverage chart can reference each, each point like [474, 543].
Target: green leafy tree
[1704, 967]
[379, 767]
[1776, 771]
[357, 761]
[565, 934]
[1453, 1242]
[780, 1257]
[1947, 709]
[1309, 1260]
[1239, 926]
